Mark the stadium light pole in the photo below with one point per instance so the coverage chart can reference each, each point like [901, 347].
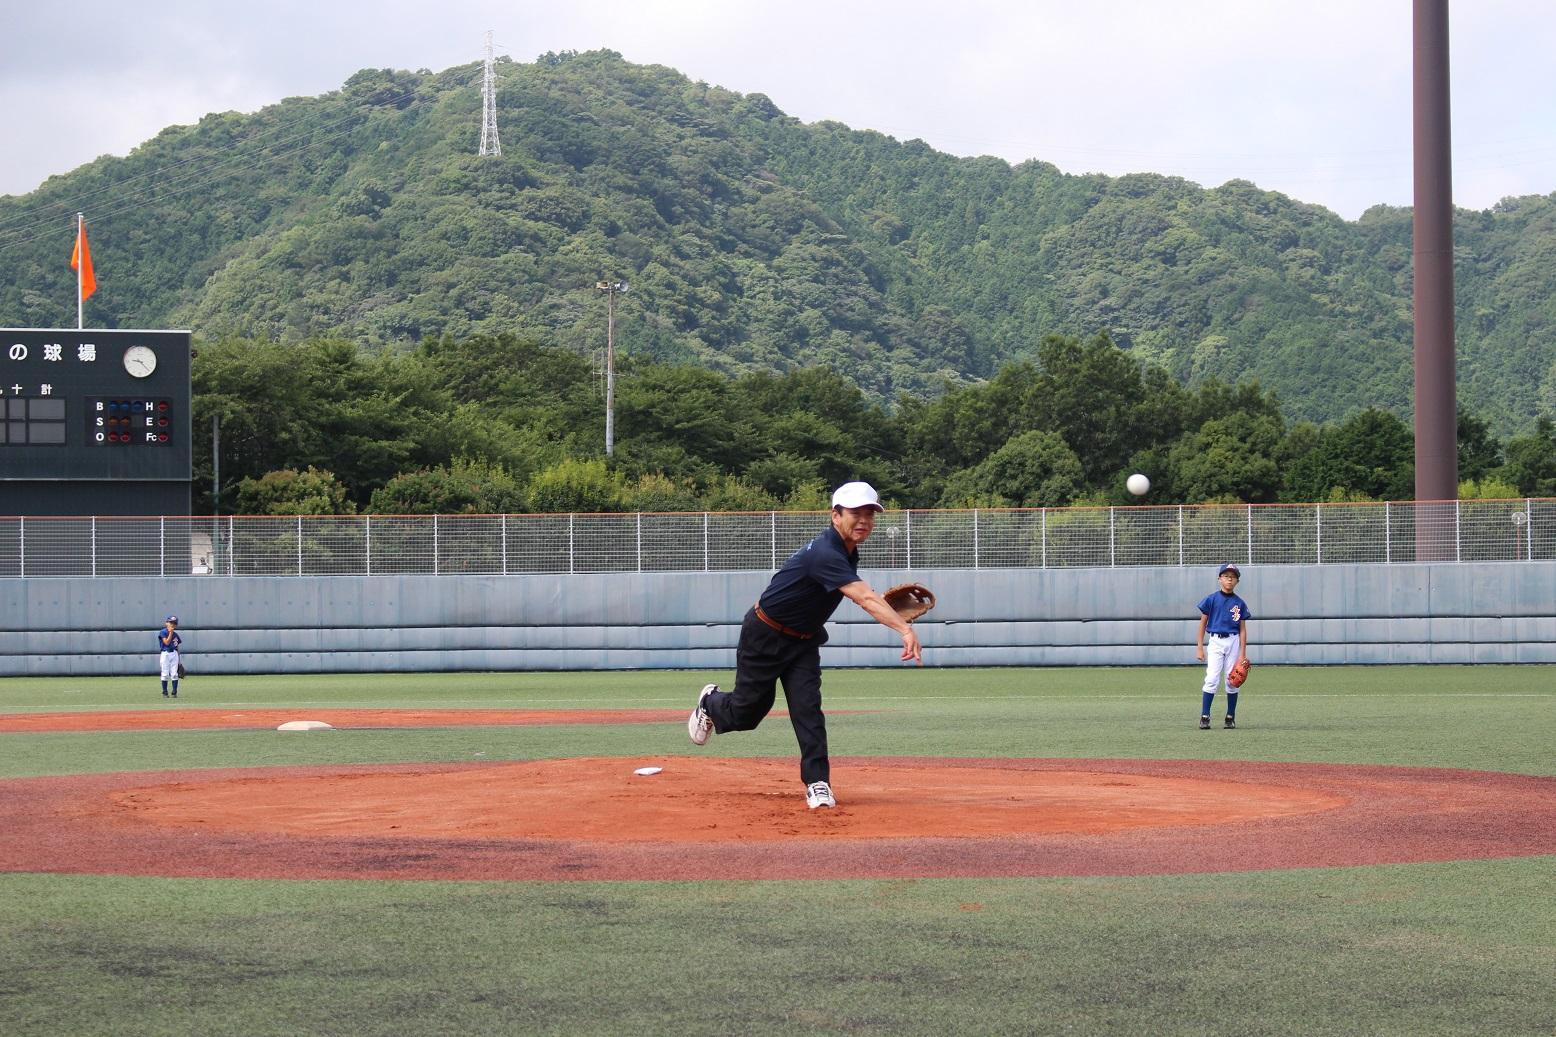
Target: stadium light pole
[611, 290]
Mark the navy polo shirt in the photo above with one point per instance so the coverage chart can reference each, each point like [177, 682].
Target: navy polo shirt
[805, 592]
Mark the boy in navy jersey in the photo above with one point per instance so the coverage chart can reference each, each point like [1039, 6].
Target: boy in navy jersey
[1224, 616]
[168, 642]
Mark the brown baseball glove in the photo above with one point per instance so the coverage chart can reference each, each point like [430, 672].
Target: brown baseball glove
[1237, 674]
[910, 600]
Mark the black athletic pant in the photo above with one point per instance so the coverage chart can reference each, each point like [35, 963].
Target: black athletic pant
[764, 657]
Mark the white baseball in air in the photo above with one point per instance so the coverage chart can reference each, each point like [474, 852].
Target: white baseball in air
[1138, 485]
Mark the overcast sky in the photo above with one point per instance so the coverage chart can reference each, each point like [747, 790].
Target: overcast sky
[1311, 99]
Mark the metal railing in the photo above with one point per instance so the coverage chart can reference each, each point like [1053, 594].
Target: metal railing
[469, 545]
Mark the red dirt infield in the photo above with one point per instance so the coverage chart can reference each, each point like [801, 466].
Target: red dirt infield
[708, 817]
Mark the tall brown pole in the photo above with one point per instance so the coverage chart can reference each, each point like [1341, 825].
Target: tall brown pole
[1436, 421]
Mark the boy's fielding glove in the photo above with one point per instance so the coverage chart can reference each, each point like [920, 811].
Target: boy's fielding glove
[1238, 673]
[910, 600]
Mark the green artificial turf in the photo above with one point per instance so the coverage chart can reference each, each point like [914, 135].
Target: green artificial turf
[1456, 948]
[1441, 948]
[1490, 718]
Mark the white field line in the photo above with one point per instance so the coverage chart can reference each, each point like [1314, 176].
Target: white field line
[595, 702]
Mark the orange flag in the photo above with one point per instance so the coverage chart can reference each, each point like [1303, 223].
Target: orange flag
[81, 259]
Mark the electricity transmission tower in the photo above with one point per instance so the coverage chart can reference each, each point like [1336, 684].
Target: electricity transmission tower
[490, 145]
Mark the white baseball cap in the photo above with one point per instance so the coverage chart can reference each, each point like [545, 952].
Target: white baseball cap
[856, 495]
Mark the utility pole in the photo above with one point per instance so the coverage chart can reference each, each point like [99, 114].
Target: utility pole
[216, 493]
[1436, 416]
[611, 290]
[490, 145]
[216, 464]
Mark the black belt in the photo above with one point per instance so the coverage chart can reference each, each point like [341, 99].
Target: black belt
[1223, 635]
[770, 621]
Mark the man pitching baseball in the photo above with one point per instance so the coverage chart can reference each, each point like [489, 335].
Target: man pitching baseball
[782, 634]
[168, 641]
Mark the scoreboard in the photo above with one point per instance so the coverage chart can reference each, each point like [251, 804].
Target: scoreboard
[94, 422]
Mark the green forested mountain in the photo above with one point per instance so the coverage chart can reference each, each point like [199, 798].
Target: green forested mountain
[754, 242]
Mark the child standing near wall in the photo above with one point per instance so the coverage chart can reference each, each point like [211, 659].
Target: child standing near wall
[1225, 617]
[168, 640]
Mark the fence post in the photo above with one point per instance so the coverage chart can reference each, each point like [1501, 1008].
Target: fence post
[706, 561]
[367, 541]
[571, 561]
[772, 518]
[1250, 533]
[503, 539]
[1388, 542]
[1180, 536]
[1318, 533]
[1458, 543]
[1528, 530]
[975, 538]
[1113, 539]
[1043, 532]
[639, 534]
[162, 552]
[299, 545]
[21, 547]
[908, 526]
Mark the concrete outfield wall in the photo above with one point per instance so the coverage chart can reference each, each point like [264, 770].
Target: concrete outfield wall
[1448, 613]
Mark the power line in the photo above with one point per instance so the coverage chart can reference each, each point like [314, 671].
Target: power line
[201, 177]
[43, 230]
[78, 201]
[40, 221]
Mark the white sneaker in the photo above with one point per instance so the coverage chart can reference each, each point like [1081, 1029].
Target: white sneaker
[699, 725]
[819, 794]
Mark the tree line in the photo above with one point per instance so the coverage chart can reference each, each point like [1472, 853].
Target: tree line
[505, 423]
[756, 242]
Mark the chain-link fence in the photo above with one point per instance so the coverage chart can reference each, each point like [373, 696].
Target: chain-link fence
[461, 545]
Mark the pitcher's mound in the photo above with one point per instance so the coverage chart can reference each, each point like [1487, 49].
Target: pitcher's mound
[708, 817]
[703, 800]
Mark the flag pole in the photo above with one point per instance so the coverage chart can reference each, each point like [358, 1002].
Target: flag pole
[80, 272]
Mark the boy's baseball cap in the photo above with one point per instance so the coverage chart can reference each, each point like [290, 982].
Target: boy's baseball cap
[1230, 568]
[856, 495]
[172, 619]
